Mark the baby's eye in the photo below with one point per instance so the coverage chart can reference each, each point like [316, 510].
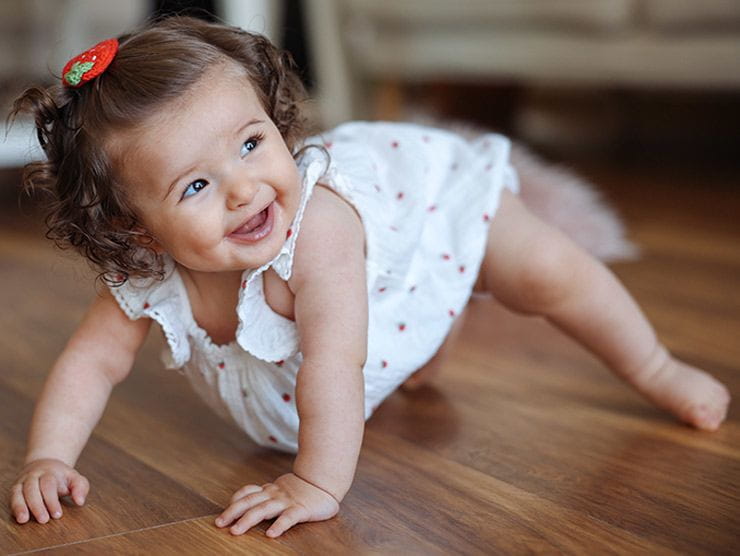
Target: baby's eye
[194, 188]
[249, 145]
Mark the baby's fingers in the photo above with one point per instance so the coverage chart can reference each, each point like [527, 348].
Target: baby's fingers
[242, 492]
[18, 504]
[79, 486]
[290, 517]
[50, 493]
[266, 510]
[35, 501]
[238, 508]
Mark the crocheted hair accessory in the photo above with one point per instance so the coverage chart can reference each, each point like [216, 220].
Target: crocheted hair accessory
[91, 63]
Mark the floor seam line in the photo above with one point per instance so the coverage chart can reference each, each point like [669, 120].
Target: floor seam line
[51, 547]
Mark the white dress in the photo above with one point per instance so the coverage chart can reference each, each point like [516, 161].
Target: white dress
[425, 197]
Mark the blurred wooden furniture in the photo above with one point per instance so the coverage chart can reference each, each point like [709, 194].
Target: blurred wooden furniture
[365, 50]
[36, 38]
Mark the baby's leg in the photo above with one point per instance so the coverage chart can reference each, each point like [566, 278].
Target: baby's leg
[532, 268]
[433, 367]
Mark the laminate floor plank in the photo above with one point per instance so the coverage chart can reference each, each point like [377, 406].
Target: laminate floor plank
[586, 465]
[127, 494]
[195, 536]
[480, 513]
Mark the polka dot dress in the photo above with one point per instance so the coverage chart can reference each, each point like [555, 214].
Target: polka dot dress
[426, 198]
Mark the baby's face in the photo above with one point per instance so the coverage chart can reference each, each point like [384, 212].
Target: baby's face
[210, 177]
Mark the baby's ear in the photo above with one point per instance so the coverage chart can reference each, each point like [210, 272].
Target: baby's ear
[143, 238]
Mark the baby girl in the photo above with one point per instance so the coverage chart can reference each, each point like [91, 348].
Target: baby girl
[298, 280]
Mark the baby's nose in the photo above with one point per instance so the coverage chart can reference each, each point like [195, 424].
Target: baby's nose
[240, 192]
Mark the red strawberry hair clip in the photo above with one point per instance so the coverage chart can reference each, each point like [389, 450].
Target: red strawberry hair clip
[91, 63]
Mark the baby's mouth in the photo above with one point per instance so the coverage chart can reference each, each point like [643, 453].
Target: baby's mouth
[253, 223]
[257, 227]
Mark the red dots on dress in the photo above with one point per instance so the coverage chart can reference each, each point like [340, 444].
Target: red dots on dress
[446, 256]
[384, 363]
[286, 397]
[431, 208]
[328, 144]
[289, 233]
[461, 268]
[486, 218]
[377, 187]
[488, 167]
[393, 229]
[146, 305]
[401, 327]
[451, 312]
[395, 144]
[280, 363]
[412, 289]
[221, 365]
[426, 138]
[272, 439]
[244, 284]
[400, 195]
[381, 290]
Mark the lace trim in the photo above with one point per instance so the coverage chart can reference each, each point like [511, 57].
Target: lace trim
[266, 334]
[277, 338]
[192, 326]
[179, 349]
[156, 300]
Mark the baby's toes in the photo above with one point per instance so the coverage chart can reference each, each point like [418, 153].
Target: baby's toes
[709, 413]
[705, 417]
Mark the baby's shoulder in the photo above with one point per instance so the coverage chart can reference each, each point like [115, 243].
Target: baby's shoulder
[331, 233]
[329, 220]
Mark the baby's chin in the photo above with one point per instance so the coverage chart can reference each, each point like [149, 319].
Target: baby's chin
[261, 255]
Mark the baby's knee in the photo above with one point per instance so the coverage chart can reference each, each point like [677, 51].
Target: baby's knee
[546, 277]
[530, 266]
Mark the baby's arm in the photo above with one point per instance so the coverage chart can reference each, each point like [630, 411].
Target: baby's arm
[331, 312]
[97, 357]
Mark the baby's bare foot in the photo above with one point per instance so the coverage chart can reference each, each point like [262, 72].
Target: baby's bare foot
[690, 394]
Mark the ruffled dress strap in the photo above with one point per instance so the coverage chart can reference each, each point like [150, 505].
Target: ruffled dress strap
[261, 331]
[161, 300]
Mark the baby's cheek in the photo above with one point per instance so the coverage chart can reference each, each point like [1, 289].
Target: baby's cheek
[196, 250]
[293, 193]
[205, 248]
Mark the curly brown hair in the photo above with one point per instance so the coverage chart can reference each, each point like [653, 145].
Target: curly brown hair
[156, 64]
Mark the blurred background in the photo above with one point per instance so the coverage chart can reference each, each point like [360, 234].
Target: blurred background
[647, 82]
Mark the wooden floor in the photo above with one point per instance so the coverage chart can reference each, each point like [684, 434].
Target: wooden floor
[524, 443]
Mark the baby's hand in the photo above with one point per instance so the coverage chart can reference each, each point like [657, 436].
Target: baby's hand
[289, 497]
[39, 486]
